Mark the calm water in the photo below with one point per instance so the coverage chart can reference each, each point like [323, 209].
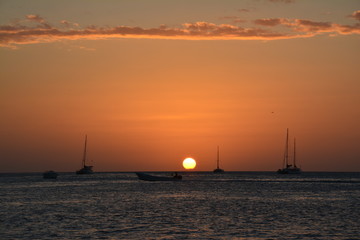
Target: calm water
[238, 205]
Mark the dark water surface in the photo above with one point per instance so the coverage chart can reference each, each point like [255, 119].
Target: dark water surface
[236, 205]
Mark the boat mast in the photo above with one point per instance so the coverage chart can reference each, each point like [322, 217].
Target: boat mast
[294, 152]
[218, 157]
[287, 148]
[84, 156]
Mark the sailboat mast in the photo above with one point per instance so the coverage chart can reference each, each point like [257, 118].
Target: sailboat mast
[84, 156]
[218, 157]
[294, 152]
[287, 148]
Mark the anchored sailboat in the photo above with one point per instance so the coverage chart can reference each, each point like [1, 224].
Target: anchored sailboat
[85, 169]
[289, 168]
[218, 169]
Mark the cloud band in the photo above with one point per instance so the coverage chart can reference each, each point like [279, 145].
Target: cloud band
[42, 32]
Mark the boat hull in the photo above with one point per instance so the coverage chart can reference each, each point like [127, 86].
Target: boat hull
[85, 170]
[218, 170]
[289, 168]
[148, 177]
[289, 171]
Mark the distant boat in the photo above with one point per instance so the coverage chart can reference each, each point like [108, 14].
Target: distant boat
[148, 177]
[85, 169]
[218, 169]
[50, 175]
[289, 168]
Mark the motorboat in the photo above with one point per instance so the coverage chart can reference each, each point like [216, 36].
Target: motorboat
[148, 177]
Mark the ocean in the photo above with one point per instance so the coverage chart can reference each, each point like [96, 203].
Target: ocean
[204, 205]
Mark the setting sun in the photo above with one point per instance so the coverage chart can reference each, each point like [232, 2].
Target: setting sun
[189, 163]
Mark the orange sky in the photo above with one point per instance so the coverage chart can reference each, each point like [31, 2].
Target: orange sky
[148, 94]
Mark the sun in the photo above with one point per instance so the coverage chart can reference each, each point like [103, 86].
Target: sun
[189, 163]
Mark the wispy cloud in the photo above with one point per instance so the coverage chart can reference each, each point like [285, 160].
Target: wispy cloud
[36, 29]
[35, 18]
[268, 21]
[69, 24]
[309, 27]
[356, 15]
[243, 10]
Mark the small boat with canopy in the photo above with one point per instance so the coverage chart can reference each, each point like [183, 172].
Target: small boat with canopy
[148, 177]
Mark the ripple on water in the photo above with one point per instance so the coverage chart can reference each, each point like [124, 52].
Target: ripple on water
[238, 205]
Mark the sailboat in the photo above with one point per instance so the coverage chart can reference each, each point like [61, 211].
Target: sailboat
[289, 168]
[218, 169]
[85, 169]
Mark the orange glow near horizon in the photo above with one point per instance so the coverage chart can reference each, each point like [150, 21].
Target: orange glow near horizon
[147, 102]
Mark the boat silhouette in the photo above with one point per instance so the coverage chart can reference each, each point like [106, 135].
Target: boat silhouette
[148, 177]
[218, 169]
[85, 168]
[289, 168]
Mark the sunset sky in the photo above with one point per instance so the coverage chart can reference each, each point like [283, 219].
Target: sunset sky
[154, 82]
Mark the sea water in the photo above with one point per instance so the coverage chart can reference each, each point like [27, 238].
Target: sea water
[204, 205]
